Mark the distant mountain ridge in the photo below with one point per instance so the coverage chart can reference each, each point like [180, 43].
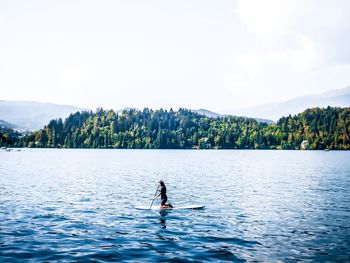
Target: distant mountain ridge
[7, 125]
[32, 115]
[274, 111]
[211, 114]
[208, 113]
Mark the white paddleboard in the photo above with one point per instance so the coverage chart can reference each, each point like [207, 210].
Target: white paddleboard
[174, 208]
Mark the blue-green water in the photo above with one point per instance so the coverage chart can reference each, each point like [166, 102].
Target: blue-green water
[78, 205]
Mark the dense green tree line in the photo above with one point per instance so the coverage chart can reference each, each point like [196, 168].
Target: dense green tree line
[327, 128]
[183, 129]
[8, 137]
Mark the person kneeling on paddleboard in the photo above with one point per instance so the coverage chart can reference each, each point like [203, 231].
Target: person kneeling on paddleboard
[163, 196]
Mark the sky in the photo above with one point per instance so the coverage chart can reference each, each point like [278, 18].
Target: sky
[195, 54]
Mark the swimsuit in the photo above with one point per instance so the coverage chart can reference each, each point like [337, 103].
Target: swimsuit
[163, 195]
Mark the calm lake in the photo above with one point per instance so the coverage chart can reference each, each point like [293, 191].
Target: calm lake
[79, 205]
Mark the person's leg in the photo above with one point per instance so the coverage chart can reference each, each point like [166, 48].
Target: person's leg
[163, 201]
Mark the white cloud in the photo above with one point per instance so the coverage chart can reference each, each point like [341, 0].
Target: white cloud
[176, 54]
[303, 58]
[234, 82]
[252, 62]
[285, 31]
[275, 17]
[291, 47]
[207, 19]
[266, 17]
[74, 76]
[306, 57]
[320, 27]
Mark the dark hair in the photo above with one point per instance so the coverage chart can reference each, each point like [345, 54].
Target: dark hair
[161, 183]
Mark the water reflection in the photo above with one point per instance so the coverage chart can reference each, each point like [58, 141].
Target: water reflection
[162, 220]
[164, 213]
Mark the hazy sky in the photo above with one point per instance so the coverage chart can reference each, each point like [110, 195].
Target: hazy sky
[196, 54]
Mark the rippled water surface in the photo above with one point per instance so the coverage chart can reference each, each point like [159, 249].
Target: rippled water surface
[78, 205]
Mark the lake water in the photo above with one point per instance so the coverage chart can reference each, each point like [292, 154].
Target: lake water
[79, 205]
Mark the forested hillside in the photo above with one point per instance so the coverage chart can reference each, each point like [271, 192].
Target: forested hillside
[322, 128]
[327, 128]
[9, 137]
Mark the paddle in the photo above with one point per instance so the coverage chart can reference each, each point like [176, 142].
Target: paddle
[154, 197]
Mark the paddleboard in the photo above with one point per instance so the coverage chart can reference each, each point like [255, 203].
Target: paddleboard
[174, 208]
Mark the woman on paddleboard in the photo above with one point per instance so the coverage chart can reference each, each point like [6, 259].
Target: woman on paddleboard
[163, 196]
